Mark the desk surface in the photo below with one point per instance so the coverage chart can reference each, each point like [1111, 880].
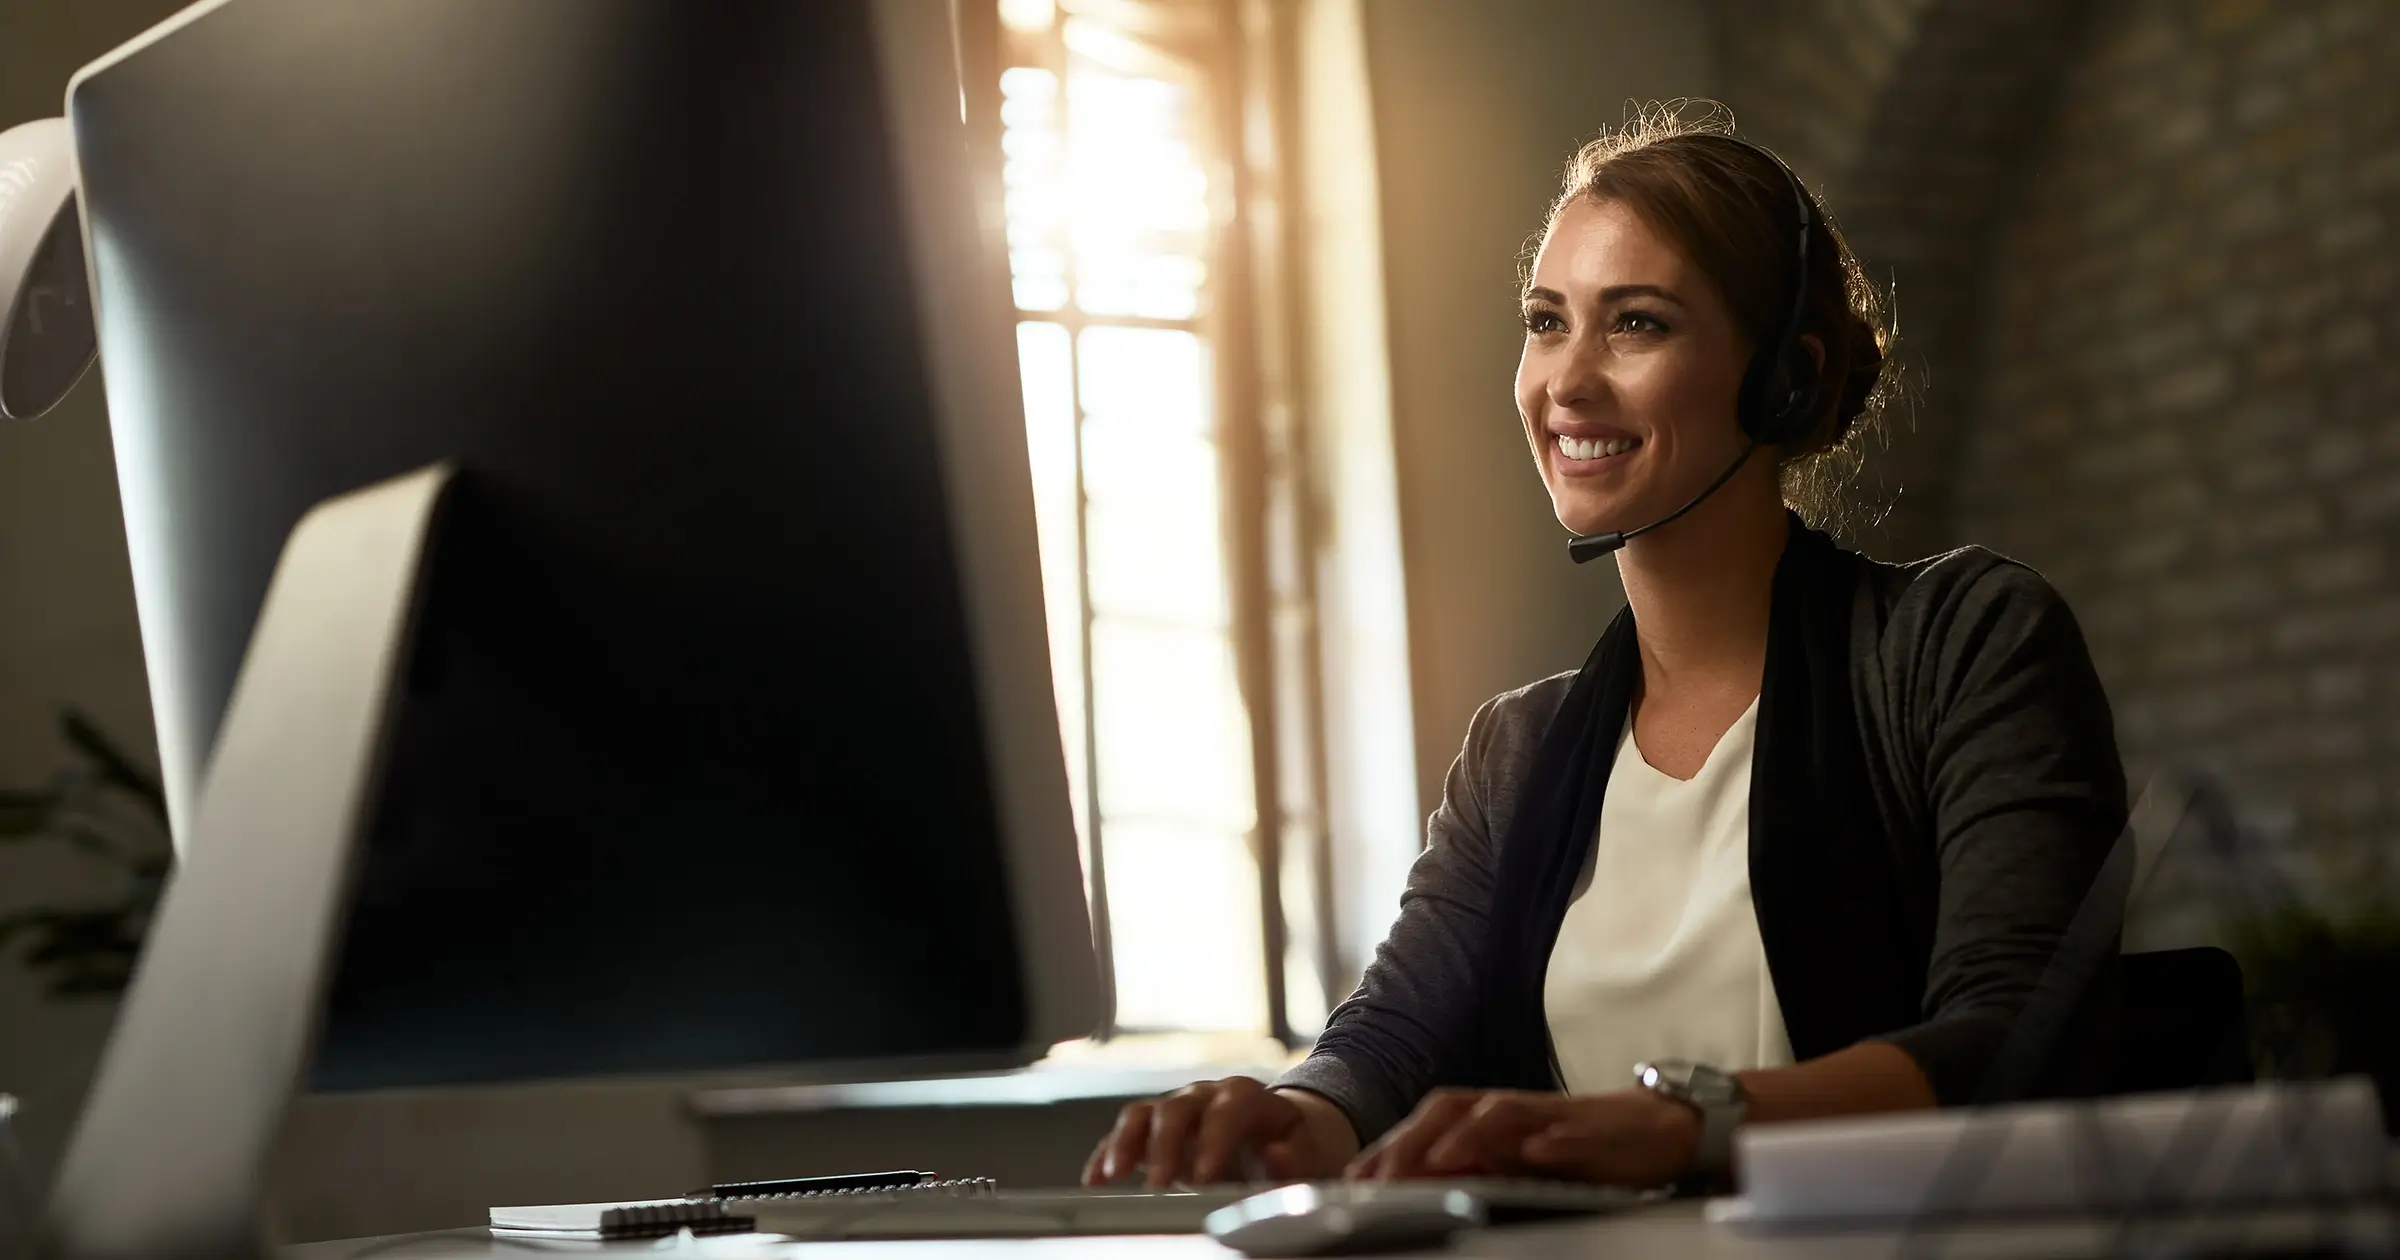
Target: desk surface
[1674, 1229]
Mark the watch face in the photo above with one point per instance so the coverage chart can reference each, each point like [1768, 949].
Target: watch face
[1668, 1076]
[1698, 1082]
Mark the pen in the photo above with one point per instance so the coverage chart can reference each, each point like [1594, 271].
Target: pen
[852, 1182]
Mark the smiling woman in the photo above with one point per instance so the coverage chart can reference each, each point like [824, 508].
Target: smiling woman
[1805, 835]
[1706, 262]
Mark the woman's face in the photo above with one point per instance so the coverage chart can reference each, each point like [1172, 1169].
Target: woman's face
[1631, 371]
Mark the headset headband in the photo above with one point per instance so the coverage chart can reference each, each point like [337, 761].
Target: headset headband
[1776, 400]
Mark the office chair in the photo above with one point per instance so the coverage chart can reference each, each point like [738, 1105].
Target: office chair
[2185, 1024]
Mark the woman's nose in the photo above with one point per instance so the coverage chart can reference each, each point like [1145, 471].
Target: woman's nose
[1576, 376]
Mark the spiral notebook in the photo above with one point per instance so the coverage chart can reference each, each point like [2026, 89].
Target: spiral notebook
[724, 1209]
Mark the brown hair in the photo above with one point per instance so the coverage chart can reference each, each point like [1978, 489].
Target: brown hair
[1727, 207]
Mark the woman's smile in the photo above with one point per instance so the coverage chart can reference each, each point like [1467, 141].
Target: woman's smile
[1592, 456]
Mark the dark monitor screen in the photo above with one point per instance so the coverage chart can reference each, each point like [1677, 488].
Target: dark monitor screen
[689, 772]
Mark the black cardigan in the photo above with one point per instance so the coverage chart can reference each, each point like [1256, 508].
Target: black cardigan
[1934, 791]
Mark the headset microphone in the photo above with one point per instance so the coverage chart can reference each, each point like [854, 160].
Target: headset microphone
[1585, 547]
[1779, 388]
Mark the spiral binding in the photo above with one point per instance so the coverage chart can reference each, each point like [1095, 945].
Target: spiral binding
[954, 1188]
[654, 1220]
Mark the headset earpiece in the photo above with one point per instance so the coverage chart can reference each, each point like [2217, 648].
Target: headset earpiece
[1792, 400]
[1780, 387]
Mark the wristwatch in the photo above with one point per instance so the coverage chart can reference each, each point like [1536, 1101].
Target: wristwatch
[1719, 1099]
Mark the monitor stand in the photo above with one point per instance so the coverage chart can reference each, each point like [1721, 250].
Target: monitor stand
[170, 1158]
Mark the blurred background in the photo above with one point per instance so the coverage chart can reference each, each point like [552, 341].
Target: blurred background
[1264, 255]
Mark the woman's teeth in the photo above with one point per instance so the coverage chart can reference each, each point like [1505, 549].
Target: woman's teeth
[1594, 448]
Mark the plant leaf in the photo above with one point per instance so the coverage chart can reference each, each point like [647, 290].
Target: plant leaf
[89, 840]
[26, 814]
[114, 765]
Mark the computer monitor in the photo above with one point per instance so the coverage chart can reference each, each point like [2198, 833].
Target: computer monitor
[660, 684]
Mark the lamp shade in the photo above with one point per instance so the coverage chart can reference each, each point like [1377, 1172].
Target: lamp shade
[47, 339]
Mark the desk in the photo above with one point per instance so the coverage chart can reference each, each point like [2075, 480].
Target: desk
[1668, 1230]
[1031, 1128]
[385, 1163]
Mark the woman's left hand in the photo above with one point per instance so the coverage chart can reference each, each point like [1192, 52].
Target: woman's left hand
[1629, 1138]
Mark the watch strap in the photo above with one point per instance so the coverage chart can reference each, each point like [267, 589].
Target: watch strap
[1713, 1160]
[1722, 1105]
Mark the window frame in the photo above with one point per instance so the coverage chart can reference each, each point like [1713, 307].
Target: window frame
[1234, 50]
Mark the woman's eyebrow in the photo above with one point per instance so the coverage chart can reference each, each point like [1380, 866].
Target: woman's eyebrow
[1620, 292]
[1613, 293]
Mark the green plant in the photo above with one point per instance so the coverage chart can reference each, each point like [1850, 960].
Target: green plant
[108, 808]
[2324, 993]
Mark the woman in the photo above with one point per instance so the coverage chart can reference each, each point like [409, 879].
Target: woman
[1805, 834]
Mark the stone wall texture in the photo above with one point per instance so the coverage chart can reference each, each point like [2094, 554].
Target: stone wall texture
[2186, 404]
[2143, 255]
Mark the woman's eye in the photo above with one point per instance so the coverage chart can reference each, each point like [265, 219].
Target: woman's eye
[1538, 322]
[1639, 322]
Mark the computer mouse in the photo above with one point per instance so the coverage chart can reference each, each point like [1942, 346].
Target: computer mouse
[1338, 1218]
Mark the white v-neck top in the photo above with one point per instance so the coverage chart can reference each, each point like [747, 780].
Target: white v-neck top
[1659, 956]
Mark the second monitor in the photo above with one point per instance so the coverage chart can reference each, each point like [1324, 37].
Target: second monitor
[720, 739]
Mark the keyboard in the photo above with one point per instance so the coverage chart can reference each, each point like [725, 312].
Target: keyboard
[993, 1214]
[1269, 1218]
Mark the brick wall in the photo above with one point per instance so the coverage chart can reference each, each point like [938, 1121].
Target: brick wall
[1807, 77]
[1910, 118]
[2186, 403]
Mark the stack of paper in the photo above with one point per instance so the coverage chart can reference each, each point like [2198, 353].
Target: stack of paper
[2261, 1144]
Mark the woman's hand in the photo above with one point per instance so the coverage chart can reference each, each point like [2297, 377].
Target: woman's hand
[1629, 1138]
[1230, 1130]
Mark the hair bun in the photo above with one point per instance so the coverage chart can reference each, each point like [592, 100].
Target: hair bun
[1863, 375]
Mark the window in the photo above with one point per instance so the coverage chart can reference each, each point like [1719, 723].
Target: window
[1180, 659]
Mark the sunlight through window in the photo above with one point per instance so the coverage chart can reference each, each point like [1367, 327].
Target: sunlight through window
[1109, 228]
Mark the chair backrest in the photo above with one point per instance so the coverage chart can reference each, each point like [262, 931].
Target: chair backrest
[2185, 1022]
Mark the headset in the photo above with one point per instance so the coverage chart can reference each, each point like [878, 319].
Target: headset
[1779, 389]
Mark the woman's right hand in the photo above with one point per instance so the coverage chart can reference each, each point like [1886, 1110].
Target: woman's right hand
[1200, 1134]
